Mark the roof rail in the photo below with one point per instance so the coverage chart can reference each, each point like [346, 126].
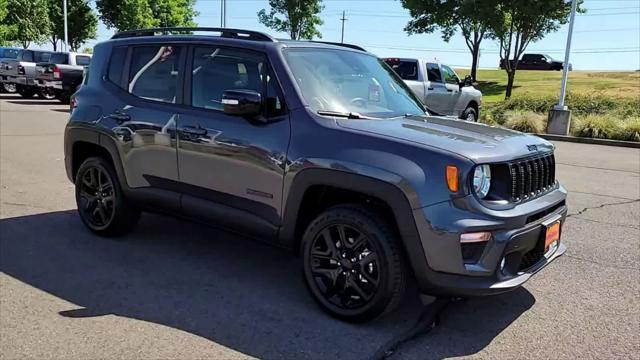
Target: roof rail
[224, 32]
[350, 46]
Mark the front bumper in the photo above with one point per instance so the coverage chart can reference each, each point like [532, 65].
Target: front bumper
[53, 84]
[516, 239]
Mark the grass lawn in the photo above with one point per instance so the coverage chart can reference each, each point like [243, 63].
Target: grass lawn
[492, 83]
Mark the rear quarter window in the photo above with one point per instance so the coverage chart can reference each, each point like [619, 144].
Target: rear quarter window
[116, 65]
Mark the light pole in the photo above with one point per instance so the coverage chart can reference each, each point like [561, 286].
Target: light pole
[66, 32]
[343, 19]
[560, 116]
[223, 13]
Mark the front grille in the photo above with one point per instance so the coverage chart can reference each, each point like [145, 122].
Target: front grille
[532, 176]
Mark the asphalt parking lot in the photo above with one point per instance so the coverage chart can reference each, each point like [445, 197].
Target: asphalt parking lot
[174, 289]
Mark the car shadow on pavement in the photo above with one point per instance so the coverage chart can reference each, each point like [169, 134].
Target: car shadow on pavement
[35, 102]
[236, 292]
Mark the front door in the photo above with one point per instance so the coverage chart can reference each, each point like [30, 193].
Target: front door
[452, 83]
[230, 167]
[437, 96]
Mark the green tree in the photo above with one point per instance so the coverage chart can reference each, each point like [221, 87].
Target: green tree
[299, 18]
[172, 13]
[82, 23]
[139, 14]
[87, 50]
[518, 23]
[29, 20]
[469, 16]
[6, 31]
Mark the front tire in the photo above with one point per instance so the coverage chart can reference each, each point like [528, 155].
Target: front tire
[352, 263]
[9, 87]
[101, 203]
[470, 114]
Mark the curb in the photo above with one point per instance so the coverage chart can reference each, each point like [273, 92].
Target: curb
[581, 140]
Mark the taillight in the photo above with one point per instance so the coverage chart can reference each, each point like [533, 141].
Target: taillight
[20, 69]
[56, 72]
[73, 103]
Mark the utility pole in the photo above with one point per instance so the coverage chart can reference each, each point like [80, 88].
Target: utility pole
[223, 13]
[565, 66]
[66, 33]
[560, 116]
[343, 19]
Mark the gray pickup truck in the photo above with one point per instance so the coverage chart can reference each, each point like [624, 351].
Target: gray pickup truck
[439, 87]
[62, 75]
[21, 71]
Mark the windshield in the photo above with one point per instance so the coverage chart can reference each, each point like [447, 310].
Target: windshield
[344, 81]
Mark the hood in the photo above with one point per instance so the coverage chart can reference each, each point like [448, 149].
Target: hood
[477, 142]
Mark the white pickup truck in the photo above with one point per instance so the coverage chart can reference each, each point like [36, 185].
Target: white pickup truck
[439, 87]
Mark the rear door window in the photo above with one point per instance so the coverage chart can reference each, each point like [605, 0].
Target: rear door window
[154, 73]
[39, 56]
[433, 72]
[406, 69]
[58, 58]
[83, 60]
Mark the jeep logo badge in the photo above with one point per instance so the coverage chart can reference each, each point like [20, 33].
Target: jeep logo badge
[532, 148]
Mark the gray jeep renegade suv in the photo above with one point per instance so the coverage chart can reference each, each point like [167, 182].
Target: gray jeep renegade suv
[319, 148]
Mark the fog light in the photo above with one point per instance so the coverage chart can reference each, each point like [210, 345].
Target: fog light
[475, 237]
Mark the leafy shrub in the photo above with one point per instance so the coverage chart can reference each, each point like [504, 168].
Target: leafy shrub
[580, 104]
[630, 130]
[597, 126]
[525, 121]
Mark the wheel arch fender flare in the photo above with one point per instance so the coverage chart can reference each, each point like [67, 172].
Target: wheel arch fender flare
[382, 185]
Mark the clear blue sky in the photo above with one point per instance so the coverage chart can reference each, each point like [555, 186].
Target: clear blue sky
[607, 37]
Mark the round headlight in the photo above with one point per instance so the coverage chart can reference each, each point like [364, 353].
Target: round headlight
[482, 180]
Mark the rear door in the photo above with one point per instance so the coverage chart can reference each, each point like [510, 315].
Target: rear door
[144, 121]
[437, 94]
[232, 168]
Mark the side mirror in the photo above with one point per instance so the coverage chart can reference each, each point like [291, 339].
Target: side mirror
[247, 103]
[468, 81]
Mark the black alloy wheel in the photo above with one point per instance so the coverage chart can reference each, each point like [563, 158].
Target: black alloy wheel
[344, 266]
[352, 263]
[101, 203]
[47, 94]
[96, 198]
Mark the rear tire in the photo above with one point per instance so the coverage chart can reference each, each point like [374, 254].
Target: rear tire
[353, 265]
[101, 203]
[470, 114]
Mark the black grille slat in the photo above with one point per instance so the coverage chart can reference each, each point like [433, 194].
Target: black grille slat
[536, 176]
[531, 177]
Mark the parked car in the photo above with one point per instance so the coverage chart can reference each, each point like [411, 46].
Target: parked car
[62, 74]
[8, 53]
[21, 71]
[537, 62]
[317, 148]
[439, 87]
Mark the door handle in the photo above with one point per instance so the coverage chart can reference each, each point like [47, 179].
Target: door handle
[430, 88]
[119, 117]
[194, 130]
[449, 90]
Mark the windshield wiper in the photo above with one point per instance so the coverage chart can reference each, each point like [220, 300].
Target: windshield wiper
[348, 115]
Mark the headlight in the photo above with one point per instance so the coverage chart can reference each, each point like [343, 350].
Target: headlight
[482, 180]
